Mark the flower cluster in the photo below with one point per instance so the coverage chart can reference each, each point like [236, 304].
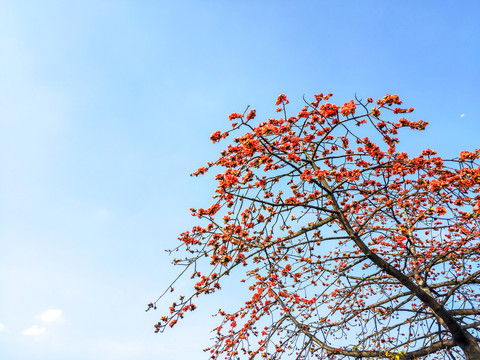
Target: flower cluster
[328, 110]
[348, 108]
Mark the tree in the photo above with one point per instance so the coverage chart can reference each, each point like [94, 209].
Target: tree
[349, 247]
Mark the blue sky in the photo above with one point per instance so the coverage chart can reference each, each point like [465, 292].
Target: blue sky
[106, 107]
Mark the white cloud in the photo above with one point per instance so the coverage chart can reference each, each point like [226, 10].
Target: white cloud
[51, 315]
[102, 213]
[2, 327]
[34, 330]
[462, 115]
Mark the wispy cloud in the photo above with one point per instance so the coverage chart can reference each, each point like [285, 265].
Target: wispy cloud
[2, 327]
[34, 330]
[102, 213]
[51, 315]
[462, 115]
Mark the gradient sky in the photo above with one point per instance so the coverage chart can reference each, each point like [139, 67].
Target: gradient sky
[106, 107]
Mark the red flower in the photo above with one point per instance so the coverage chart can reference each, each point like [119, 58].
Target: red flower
[348, 108]
[375, 112]
[282, 98]
[329, 110]
[251, 114]
[235, 116]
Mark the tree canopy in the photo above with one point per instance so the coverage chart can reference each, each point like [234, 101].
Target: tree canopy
[347, 247]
